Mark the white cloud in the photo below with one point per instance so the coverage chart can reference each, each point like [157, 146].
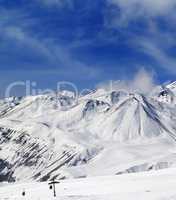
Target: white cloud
[132, 9]
[142, 82]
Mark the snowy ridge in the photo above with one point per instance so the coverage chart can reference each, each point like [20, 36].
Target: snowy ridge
[101, 133]
[172, 86]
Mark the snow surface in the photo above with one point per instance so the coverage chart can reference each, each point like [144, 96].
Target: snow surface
[156, 185]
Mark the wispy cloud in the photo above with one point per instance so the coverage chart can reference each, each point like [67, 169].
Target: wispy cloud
[55, 56]
[157, 37]
[133, 9]
[159, 54]
[57, 3]
[80, 44]
[142, 82]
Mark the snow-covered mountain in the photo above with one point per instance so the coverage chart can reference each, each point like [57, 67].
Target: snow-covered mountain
[101, 133]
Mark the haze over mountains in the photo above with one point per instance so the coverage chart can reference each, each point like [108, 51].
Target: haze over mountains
[102, 133]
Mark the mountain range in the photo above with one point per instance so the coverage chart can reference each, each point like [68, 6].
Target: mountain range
[100, 133]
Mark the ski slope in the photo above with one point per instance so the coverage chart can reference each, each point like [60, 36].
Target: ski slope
[155, 185]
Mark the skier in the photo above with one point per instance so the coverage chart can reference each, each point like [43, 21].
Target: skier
[23, 193]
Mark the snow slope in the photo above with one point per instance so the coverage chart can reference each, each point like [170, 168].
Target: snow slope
[156, 185]
[101, 133]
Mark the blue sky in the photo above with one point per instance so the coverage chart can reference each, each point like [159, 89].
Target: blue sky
[86, 42]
